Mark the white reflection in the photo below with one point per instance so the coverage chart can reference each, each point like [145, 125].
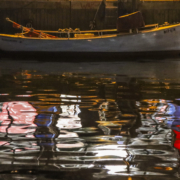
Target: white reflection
[106, 147]
[65, 134]
[67, 98]
[115, 168]
[69, 117]
[70, 111]
[79, 166]
[119, 153]
[70, 145]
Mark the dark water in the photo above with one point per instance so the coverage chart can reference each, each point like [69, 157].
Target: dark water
[113, 120]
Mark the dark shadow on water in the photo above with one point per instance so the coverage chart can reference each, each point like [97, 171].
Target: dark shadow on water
[90, 57]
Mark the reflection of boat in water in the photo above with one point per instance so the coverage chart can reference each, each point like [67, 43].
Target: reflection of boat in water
[149, 38]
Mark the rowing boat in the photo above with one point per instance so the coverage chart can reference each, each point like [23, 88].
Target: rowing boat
[151, 38]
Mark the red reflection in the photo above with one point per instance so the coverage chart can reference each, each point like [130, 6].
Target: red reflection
[177, 140]
[16, 116]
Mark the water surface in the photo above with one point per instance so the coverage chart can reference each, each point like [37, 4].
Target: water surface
[111, 120]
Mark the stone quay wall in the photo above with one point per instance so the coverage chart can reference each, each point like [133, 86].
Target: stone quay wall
[153, 11]
[55, 14]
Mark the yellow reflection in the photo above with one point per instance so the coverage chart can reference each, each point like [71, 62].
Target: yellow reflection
[109, 123]
[164, 168]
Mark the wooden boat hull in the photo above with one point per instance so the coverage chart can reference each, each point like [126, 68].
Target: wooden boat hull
[162, 39]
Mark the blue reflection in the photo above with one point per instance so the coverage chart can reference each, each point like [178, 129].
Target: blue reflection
[45, 135]
[43, 120]
[174, 112]
[45, 128]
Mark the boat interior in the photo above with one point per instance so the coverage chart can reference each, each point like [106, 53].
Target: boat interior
[129, 24]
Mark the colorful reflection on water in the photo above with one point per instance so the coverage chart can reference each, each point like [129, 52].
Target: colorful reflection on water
[88, 126]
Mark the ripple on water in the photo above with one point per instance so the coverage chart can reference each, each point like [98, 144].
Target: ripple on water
[93, 126]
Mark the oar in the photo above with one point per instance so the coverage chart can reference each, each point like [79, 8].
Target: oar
[37, 32]
[16, 25]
